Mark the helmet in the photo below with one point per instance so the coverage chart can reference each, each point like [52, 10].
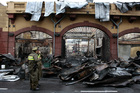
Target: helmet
[35, 48]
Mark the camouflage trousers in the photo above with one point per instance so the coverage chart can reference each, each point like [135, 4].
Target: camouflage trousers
[39, 69]
[33, 78]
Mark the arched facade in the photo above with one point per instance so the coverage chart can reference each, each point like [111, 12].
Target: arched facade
[34, 28]
[129, 43]
[113, 41]
[89, 24]
[11, 40]
[134, 30]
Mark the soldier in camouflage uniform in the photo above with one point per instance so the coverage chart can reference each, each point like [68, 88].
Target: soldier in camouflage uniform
[33, 68]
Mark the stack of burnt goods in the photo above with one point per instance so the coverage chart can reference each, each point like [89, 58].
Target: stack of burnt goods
[115, 73]
[8, 68]
[54, 65]
[8, 60]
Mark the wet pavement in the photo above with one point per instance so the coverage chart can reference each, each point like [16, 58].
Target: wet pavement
[54, 85]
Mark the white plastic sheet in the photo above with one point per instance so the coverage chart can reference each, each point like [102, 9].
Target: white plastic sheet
[10, 78]
[30, 7]
[102, 11]
[49, 8]
[5, 77]
[107, 12]
[60, 6]
[123, 7]
[2, 74]
[77, 5]
[89, 1]
[35, 17]
[35, 9]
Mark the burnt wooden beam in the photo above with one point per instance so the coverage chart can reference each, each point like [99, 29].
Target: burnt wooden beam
[132, 19]
[129, 42]
[12, 17]
[115, 18]
[58, 17]
[72, 17]
[27, 17]
[42, 17]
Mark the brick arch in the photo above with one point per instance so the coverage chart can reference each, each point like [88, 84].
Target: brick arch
[134, 30]
[86, 23]
[113, 41]
[11, 45]
[34, 28]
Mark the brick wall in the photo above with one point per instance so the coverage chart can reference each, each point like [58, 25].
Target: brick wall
[113, 48]
[3, 41]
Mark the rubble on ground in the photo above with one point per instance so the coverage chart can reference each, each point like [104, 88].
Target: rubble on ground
[9, 68]
[89, 70]
[116, 73]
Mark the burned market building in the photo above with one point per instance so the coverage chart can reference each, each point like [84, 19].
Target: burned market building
[88, 29]
[96, 43]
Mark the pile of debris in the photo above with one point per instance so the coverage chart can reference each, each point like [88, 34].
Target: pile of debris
[94, 72]
[56, 65]
[91, 71]
[8, 70]
[53, 65]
